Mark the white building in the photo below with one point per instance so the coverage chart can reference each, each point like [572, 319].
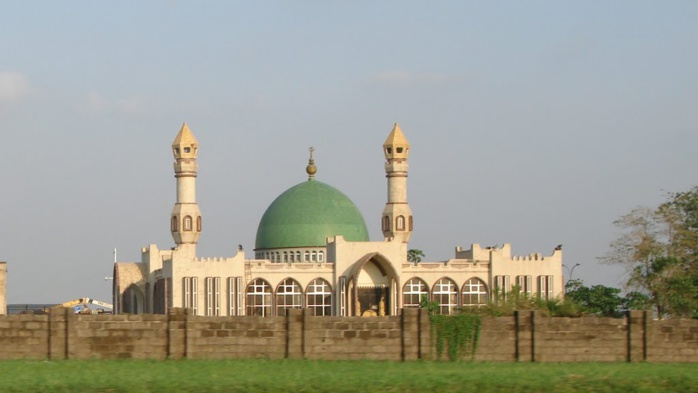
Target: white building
[312, 251]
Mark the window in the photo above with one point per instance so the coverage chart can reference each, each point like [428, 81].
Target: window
[411, 224]
[524, 284]
[413, 292]
[321, 256]
[292, 257]
[298, 256]
[398, 150]
[234, 296]
[176, 151]
[191, 295]
[187, 223]
[502, 287]
[445, 293]
[389, 150]
[285, 256]
[276, 257]
[386, 223]
[318, 297]
[259, 298]
[307, 256]
[545, 287]
[187, 149]
[288, 295]
[314, 256]
[173, 224]
[198, 223]
[474, 293]
[400, 223]
[213, 296]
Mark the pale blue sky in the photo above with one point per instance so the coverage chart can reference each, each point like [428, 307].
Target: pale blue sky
[534, 123]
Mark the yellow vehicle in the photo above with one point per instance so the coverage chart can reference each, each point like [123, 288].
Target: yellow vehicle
[81, 306]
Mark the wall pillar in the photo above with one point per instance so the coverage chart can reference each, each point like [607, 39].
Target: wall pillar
[295, 326]
[58, 333]
[3, 288]
[637, 321]
[177, 324]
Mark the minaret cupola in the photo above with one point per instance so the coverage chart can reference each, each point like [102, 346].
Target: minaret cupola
[396, 146]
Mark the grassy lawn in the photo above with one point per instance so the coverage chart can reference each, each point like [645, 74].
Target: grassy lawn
[341, 376]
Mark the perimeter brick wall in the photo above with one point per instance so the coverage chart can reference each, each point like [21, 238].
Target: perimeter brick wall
[527, 337]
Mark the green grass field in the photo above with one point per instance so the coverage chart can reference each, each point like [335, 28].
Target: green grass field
[341, 376]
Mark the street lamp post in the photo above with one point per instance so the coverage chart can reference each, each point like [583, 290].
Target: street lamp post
[570, 271]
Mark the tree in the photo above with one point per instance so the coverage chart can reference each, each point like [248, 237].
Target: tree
[414, 255]
[659, 249]
[598, 299]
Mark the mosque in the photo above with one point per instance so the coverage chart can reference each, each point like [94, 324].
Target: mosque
[313, 251]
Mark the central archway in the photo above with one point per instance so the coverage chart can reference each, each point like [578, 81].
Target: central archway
[373, 284]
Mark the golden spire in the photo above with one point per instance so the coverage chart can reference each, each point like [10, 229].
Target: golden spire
[185, 145]
[311, 169]
[396, 145]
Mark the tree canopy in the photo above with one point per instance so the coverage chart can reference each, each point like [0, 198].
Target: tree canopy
[659, 248]
[414, 255]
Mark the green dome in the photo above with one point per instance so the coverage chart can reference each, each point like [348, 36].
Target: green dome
[306, 214]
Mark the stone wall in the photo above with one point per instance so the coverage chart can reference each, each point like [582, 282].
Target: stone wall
[527, 337]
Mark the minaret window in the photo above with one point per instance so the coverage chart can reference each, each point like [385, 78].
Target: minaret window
[198, 224]
[176, 151]
[187, 223]
[399, 150]
[386, 223]
[187, 149]
[389, 150]
[411, 224]
[173, 224]
[400, 223]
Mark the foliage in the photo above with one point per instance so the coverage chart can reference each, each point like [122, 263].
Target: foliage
[659, 248]
[457, 333]
[305, 376]
[414, 255]
[505, 303]
[598, 299]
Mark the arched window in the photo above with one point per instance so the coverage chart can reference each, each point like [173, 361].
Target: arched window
[292, 256]
[411, 223]
[314, 256]
[288, 295]
[386, 223]
[474, 293]
[400, 223]
[413, 291]
[187, 223]
[318, 297]
[198, 223]
[277, 258]
[321, 256]
[307, 256]
[445, 292]
[173, 224]
[259, 298]
[285, 256]
[298, 256]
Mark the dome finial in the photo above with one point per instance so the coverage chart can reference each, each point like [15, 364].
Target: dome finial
[311, 169]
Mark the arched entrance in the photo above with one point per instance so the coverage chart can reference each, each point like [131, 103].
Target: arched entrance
[373, 287]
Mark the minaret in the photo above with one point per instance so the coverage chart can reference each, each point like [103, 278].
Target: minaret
[397, 216]
[185, 222]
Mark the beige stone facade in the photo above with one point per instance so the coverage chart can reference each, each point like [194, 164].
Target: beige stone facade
[340, 278]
